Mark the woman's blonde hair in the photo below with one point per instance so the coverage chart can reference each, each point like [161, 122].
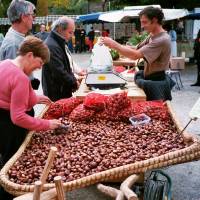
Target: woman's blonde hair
[36, 46]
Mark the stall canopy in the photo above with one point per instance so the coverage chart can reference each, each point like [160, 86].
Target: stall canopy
[128, 15]
[193, 16]
[89, 18]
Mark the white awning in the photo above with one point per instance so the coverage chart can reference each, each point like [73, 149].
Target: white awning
[171, 14]
[127, 15]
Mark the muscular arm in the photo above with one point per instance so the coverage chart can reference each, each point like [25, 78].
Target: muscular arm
[124, 50]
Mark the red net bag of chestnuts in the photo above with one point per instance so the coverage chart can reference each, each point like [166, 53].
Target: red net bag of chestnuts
[95, 101]
[117, 102]
[80, 113]
[62, 107]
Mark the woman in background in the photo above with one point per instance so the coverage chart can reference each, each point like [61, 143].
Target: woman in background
[173, 37]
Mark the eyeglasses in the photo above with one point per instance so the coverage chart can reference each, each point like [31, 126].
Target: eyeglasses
[32, 14]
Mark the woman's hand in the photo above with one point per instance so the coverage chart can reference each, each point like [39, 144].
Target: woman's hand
[44, 100]
[54, 123]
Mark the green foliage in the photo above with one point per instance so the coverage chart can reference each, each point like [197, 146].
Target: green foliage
[42, 8]
[69, 7]
[3, 7]
[58, 3]
[114, 54]
[137, 38]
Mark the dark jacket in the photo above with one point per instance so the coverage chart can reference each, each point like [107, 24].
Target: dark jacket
[197, 49]
[42, 35]
[58, 80]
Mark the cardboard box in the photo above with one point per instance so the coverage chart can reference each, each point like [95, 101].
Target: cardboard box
[177, 63]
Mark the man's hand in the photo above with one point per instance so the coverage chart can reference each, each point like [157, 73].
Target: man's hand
[109, 42]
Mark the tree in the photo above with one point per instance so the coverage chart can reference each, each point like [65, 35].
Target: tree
[42, 8]
[3, 7]
[34, 2]
[68, 6]
[59, 3]
[188, 4]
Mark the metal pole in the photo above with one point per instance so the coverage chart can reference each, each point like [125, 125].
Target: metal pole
[114, 31]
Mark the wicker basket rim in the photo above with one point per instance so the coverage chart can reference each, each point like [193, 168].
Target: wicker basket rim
[189, 151]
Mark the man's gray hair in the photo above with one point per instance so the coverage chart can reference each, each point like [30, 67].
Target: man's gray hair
[61, 22]
[19, 7]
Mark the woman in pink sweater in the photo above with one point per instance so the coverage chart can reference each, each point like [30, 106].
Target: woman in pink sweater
[17, 97]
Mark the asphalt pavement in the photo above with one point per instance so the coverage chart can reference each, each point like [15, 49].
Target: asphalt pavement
[185, 177]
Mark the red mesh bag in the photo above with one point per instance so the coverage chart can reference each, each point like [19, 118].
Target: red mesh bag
[95, 101]
[80, 113]
[107, 115]
[135, 108]
[119, 69]
[156, 110]
[54, 111]
[62, 107]
[117, 102]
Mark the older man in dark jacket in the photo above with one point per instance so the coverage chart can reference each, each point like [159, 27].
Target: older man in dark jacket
[58, 80]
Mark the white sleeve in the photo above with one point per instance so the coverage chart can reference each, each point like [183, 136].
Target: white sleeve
[76, 68]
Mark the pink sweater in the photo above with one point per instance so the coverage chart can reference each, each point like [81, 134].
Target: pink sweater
[17, 95]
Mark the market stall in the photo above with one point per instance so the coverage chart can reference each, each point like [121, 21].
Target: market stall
[101, 144]
[134, 92]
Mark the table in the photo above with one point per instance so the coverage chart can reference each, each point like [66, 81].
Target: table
[134, 92]
[125, 62]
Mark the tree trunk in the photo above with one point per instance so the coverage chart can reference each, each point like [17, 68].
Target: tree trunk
[42, 8]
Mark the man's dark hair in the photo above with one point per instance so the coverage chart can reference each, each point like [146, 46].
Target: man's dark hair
[152, 12]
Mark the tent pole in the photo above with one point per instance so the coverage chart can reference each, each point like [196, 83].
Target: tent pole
[114, 31]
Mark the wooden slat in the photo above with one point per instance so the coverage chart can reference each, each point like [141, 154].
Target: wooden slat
[124, 62]
[134, 92]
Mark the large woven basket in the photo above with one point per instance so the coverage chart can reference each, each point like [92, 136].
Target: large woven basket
[190, 153]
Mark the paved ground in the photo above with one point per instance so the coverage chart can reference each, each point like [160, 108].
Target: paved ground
[185, 177]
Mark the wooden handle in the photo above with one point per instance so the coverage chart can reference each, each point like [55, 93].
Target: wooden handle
[37, 190]
[48, 166]
[112, 192]
[59, 188]
[126, 185]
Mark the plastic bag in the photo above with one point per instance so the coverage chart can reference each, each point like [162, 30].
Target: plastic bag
[101, 59]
